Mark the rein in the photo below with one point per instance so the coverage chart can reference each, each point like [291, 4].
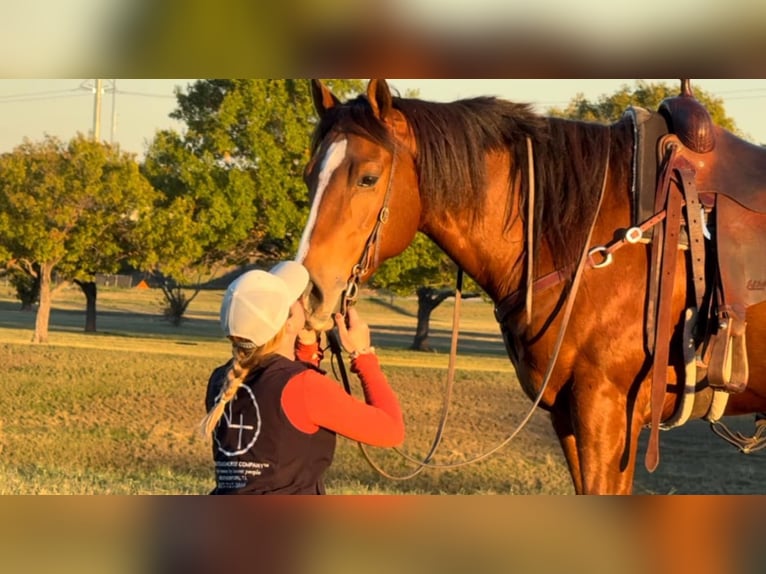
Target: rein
[351, 292]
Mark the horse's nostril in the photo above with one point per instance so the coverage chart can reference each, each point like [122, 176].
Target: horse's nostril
[316, 298]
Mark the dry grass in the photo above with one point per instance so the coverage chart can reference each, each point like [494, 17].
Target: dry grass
[116, 411]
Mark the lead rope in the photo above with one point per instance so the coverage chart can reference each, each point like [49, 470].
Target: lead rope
[551, 364]
[422, 464]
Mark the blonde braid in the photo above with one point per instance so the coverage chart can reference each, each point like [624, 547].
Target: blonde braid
[246, 356]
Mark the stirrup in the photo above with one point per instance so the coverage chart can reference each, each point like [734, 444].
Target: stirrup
[728, 367]
[746, 444]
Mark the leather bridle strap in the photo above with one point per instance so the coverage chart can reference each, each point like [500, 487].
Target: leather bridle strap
[530, 230]
[371, 250]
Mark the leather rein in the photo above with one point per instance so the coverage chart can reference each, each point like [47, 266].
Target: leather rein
[370, 254]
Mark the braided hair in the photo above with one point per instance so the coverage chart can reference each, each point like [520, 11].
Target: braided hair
[246, 356]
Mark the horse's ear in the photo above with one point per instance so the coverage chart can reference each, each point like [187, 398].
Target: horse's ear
[324, 99]
[379, 96]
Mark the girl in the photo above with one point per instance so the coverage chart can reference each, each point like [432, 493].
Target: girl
[272, 413]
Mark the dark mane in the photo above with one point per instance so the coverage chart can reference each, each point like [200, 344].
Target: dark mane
[453, 138]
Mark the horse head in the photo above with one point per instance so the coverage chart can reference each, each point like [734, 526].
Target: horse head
[363, 186]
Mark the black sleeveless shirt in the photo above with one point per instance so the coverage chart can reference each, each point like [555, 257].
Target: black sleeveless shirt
[255, 447]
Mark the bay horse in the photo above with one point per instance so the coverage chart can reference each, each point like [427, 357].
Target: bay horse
[516, 199]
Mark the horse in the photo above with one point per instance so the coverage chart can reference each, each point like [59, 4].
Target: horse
[522, 203]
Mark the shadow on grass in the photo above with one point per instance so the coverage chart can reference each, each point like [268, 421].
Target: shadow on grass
[693, 460]
[153, 325]
[111, 323]
[470, 342]
[392, 307]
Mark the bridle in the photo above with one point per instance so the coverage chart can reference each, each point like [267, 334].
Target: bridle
[370, 253]
[351, 292]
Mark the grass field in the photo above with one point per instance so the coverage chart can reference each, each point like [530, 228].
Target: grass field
[115, 412]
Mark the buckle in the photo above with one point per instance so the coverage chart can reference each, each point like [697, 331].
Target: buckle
[633, 235]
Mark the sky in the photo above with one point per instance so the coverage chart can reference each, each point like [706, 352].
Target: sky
[33, 108]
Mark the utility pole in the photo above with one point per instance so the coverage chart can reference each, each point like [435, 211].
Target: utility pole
[97, 112]
[114, 111]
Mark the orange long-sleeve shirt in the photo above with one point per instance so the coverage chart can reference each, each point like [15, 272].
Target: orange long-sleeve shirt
[312, 400]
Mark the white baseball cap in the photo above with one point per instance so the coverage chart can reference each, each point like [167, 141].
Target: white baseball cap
[257, 303]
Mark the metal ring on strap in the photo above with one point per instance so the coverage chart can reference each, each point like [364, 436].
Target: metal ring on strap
[607, 257]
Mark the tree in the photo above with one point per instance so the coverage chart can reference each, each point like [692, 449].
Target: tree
[261, 129]
[76, 208]
[609, 108]
[234, 178]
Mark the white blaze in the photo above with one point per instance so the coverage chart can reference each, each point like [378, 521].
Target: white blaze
[332, 159]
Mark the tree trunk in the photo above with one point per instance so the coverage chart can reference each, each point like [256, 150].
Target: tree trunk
[44, 309]
[428, 300]
[25, 278]
[89, 288]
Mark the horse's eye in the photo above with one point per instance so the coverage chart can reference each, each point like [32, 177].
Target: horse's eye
[368, 180]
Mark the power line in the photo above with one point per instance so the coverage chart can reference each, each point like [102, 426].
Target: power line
[745, 97]
[19, 98]
[742, 90]
[144, 94]
[79, 91]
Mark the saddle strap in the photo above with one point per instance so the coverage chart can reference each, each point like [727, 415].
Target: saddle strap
[694, 228]
[658, 238]
[664, 321]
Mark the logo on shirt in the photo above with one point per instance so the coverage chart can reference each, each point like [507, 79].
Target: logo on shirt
[239, 435]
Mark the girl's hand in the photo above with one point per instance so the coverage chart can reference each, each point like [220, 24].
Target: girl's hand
[353, 332]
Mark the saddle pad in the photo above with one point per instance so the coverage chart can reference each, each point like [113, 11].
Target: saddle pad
[741, 244]
[648, 128]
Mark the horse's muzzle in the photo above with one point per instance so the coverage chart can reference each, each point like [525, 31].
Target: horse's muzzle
[319, 315]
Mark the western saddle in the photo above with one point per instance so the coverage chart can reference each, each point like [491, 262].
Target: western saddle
[709, 186]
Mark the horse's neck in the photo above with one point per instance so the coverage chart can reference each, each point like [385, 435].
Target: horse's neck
[484, 247]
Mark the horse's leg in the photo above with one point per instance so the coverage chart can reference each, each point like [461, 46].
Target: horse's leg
[562, 424]
[606, 441]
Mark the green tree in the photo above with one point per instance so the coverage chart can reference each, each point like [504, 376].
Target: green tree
[233, 179]
[609, 108]
[76, 209]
